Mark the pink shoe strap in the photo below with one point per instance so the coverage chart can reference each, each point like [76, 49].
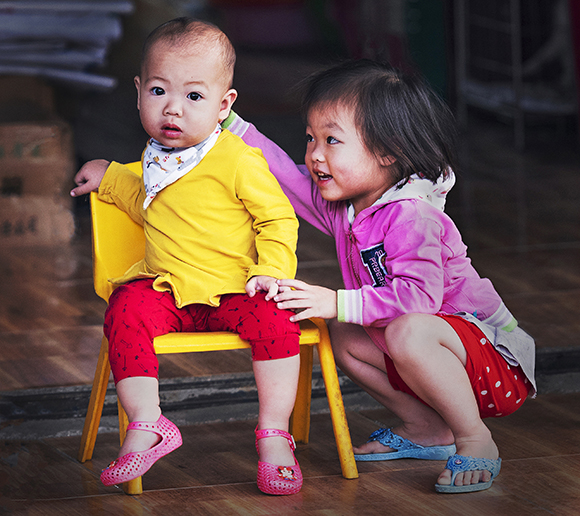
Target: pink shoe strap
[274, 432]
[148, 426]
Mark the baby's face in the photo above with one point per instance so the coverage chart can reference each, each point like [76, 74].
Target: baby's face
[182, 95]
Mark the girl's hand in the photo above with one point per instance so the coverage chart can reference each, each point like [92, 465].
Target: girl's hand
[264, 283]
[310, 300]
[89, 177]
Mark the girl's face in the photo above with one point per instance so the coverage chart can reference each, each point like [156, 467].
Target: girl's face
[182, 95]
[339, 162]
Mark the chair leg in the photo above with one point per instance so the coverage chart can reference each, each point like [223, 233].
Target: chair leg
[135, 486]
[335, 403]
[300, 419]
[96, 402]
[123, 422]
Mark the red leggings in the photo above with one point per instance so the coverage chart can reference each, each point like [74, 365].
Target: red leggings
[137, 314]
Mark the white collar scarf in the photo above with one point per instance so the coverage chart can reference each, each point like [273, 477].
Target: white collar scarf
[165, 165]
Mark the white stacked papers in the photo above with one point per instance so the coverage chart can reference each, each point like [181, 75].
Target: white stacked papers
[66, 40]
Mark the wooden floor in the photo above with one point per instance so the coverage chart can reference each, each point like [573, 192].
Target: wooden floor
[520, 217]
[213, 473]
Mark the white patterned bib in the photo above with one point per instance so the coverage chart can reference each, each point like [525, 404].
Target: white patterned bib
[163, 165]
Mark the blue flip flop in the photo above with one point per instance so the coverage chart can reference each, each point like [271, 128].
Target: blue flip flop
[405, 449]
[460, 463]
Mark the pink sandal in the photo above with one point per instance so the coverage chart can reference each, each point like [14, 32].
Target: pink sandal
[278, 480]
[133, 465]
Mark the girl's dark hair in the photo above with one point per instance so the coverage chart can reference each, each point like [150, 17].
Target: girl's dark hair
[396, 115]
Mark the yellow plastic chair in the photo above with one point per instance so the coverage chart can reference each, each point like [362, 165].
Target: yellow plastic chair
[118, 242]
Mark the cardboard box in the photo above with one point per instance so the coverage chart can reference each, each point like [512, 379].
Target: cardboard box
[36, 166]
[34, 220]
[36, 158]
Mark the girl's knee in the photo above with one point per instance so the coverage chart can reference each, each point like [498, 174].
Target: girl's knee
[404, 335]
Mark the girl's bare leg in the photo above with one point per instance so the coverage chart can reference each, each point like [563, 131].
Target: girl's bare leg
[277, 382]
[430, 358]
[140, 398]
[359, 358]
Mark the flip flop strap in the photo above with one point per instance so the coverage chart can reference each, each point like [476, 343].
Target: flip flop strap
[387, 438]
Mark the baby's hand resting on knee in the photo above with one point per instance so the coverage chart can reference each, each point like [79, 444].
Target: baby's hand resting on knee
[264, 283]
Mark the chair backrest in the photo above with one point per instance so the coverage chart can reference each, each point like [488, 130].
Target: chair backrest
[118, 242]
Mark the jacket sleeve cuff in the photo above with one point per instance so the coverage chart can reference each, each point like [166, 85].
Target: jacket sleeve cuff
[502, 318]
[349, 306]
[235, 124]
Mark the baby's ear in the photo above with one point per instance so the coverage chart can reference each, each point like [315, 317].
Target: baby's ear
[227, 102]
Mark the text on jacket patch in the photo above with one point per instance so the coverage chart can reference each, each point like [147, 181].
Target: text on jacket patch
[374, 260]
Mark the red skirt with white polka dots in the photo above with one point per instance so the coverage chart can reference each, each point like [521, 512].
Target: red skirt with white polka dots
[500, 389]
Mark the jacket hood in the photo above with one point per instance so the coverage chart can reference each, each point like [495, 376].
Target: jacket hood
[421, 188]
[418, 188]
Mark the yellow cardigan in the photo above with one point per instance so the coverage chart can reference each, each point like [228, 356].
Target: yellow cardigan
[213, 229]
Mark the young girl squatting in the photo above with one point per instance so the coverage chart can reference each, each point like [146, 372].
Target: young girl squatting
[415, 326]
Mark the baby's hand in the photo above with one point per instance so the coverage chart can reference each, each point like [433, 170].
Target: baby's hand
[89, 177]
[264, 283]
[309, 300]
